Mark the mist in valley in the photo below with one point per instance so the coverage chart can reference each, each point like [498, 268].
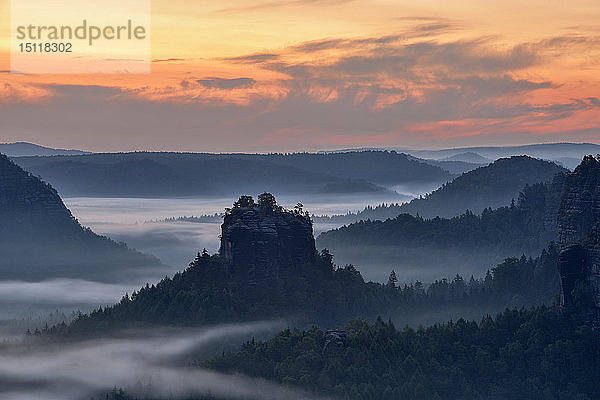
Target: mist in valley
[156, 362]
[142, 224]
[152, 362]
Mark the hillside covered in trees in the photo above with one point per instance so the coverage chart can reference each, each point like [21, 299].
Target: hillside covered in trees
[491, 186]
[466, 244]
[518, 354]
[324, 294]
[247, 281]
[40, 239]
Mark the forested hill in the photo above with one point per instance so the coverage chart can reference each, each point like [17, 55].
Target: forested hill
[469, 191]
[321, 293]
[195, 174]
[260, 274]
[39, 238]
[518, 354]
[494, 185]
[467, 243]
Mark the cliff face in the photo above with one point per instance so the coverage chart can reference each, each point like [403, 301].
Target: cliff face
[579, 236]
[263, 244]
[27, 204]
[40, 239]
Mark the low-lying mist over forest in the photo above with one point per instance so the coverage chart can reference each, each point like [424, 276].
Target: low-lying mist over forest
[145, 224]
[144, 362]
[149, 297]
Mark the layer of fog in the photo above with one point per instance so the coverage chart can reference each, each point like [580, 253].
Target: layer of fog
[143, 363]
[62, 291]
[32, 305]
[138, 222]
[418, 264]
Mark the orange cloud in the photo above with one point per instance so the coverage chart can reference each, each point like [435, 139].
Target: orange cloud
[292, 74]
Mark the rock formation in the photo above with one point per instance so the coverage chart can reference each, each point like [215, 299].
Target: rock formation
[262, 241]
[40, 238]
[579, 237]
[28, 205]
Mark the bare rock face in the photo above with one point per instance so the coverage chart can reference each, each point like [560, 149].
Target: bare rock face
[263, 242]
[571, 267]
[579, 236]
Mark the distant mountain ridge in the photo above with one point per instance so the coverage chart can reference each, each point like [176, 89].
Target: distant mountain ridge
[193, 174]
[548, 151]
[567, 154]
[22, 149]
[40, 239]
[470, 157]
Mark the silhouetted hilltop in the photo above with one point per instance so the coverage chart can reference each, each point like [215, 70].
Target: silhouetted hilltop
[469, 191]
[494, 185]
[27, 204]
[39, 238]
[470, 157]
[21, 149]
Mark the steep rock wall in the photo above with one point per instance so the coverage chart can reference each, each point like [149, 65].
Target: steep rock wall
[262, 244]
[578, 231]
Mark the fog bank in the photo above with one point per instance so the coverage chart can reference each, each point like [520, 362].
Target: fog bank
[142, 363]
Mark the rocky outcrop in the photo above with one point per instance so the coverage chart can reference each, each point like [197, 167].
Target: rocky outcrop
[29, 205]
[579, 237]
[571, 267]
[263, 242]
[40, 238]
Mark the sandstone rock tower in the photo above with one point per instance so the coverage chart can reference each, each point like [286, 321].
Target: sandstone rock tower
[262, 242]
[579, 237]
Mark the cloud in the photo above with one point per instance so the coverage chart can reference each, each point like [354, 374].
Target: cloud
[145, 363]
[279, 4]
[378, 90]
[222, 83]
[62, 291]
[166, 60]
[252, 58]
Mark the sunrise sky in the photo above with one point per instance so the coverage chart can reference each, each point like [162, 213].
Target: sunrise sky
[241, 75]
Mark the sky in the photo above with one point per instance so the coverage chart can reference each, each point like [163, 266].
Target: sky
[306, 75]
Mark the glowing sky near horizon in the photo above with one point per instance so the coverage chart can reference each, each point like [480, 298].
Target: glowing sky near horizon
[240, 75]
